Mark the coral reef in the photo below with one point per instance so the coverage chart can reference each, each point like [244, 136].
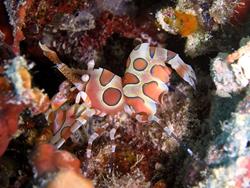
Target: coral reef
[83, 44]
[203, 23]
[17, 12]
[66, 179]
[228, 155]
[230, 77]
[175, 21]
[16, 95]
[57, 168]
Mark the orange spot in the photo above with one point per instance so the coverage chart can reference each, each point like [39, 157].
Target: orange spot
[138, 105]
[152, 91]
[233, 57]
[59, 120]
[51, 117]
[167, 70]
[112, 96]
[130, 79]
[186, 23]
[161, 72]
[140, 64]
[66, 133]
[95, 92]
[71, 111]
[57, 101]
[182, 70]
[106, 77]
[70, 115]
[26, 77]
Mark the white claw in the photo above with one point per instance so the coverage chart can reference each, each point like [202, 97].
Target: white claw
[129, 109]
[91, 64]
[112, 134]
[81, 95]
[187, 72]
[85, 77]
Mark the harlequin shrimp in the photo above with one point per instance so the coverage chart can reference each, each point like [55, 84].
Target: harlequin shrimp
[142, 87]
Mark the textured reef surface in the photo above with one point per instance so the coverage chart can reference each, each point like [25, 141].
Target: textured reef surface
[187, 127]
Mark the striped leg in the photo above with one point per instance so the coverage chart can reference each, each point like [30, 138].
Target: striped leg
[113, 147]
[89, 151]
[183, 70]
[64, 133]
[67, 123]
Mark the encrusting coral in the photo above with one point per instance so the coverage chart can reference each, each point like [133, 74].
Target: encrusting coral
[202, 22]
[230, 72]
[228, 157]
[17, 13]
[16, 95]
[62, 165]
[177, 22]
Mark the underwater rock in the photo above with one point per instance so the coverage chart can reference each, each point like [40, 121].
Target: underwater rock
[177, 22]
[185, 22]
[231, 72]
[240, 12]
[82, 21]
[16, 95]
[201, 22]
[222, 10]
[229, 156]
[17, 12]
[57, 168]
[8, 122]
[17, 72]
[198, 44]
[68, 178]
[82, 44]
[48, 159]
[118, 7]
